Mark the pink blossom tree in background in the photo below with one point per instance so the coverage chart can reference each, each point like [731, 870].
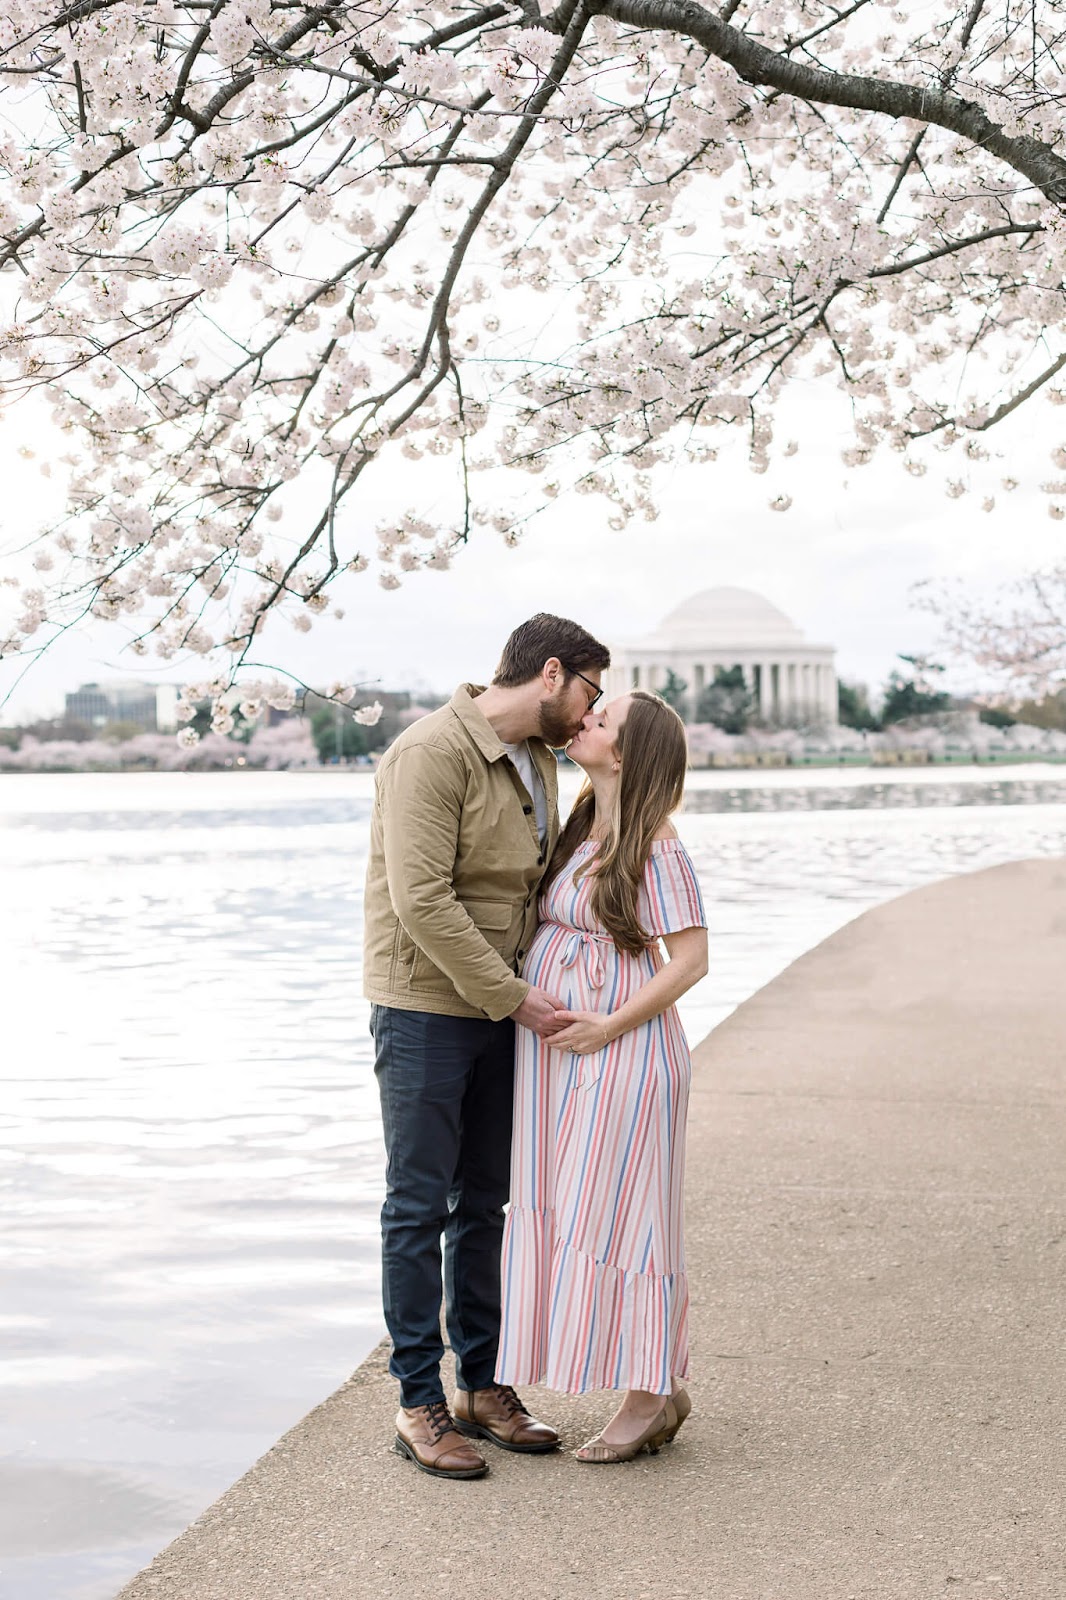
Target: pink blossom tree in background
[285, 747]
[1018, 640]
[270, 261]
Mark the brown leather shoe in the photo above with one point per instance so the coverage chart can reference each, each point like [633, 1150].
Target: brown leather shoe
[427, 1436]
[499, 1415]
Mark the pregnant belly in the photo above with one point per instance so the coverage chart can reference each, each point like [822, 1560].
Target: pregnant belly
[586, 971]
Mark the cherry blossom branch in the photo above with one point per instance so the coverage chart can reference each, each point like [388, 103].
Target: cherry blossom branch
[755, 64]
[263, 250]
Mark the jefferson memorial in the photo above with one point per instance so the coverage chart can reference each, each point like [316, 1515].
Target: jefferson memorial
[790, 679]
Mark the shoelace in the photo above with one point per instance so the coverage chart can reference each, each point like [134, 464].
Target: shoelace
[439, 1419]
[510, 1400]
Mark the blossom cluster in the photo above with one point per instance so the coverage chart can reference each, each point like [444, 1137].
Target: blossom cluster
[250, 698]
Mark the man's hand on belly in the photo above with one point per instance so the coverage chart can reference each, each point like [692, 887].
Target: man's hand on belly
[539, 1012]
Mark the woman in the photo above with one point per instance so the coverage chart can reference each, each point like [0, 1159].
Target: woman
[594, 1287]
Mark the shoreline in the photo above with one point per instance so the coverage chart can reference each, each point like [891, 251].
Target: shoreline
[905, 766]
[698, 779]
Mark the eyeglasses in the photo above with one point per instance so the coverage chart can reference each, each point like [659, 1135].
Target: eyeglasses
[597, 692]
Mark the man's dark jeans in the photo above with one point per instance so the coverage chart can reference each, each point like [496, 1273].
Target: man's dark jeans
[447, 1086]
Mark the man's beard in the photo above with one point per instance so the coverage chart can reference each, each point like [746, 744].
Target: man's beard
[555, 728]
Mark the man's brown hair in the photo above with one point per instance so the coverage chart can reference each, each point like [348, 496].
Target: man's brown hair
[541, 638]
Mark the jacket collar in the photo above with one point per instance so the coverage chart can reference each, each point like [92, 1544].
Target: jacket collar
[476, 723]
[484, 734]
[492, 748]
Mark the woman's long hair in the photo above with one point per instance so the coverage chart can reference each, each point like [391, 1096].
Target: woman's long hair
[653, 756]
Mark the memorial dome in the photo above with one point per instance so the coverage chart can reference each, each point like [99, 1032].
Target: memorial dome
[719, 618]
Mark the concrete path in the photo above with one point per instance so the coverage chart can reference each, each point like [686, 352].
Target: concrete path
[877, 1231]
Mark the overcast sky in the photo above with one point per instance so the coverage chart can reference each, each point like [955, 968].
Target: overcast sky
[841, 563]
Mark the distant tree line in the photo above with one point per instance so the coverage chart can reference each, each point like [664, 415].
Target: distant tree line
[337, 736]
[914, 693]
[727, 702]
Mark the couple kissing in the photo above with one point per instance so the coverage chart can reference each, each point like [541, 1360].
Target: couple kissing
[528, 1050]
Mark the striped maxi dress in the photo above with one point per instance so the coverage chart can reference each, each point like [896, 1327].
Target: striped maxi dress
[594, 1288]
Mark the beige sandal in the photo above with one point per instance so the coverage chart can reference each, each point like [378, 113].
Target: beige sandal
[664, 1426]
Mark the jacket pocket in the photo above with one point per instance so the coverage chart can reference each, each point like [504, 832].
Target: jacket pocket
[490, 917]
[405, 956]
[494, 920]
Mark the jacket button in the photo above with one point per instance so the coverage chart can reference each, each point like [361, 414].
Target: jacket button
[521, 953]
[528, 810]
[540, 861]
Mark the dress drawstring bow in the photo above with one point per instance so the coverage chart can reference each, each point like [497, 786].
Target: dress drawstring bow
[585, 953]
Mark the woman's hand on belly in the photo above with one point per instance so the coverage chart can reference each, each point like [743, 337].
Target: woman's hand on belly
[582, 1032]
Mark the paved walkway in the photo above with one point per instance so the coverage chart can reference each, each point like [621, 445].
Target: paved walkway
[877, 1227]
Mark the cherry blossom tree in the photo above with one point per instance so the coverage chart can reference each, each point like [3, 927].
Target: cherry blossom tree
[263, 255]
[1017, 638]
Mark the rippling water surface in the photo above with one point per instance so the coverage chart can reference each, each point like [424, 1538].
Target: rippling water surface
[189, 1144]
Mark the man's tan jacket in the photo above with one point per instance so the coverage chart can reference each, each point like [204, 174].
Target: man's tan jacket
[455, 866]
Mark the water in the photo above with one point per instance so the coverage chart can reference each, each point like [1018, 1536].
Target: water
[189, 1147]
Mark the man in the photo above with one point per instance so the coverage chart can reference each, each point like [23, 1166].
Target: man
[465, 821]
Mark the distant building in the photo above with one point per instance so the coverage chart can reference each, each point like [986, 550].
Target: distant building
[790, 679]
[147, 706]
[166, 708]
